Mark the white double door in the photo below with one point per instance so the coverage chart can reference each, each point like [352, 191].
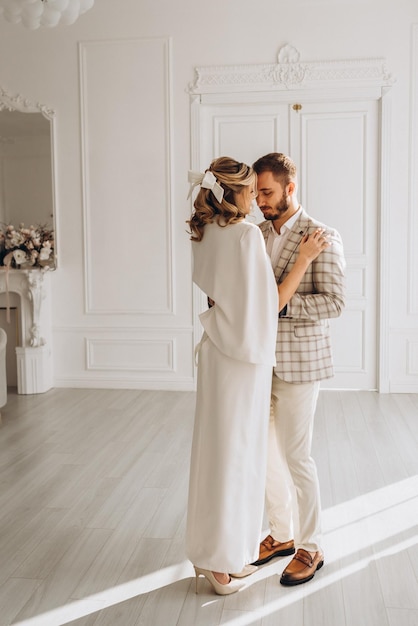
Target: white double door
[336, 148]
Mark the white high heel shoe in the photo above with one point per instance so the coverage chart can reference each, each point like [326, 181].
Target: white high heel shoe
[222, 590]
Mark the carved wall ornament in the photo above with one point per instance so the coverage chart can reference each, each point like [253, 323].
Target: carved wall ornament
[36, 294]
[10, 102]
[288, 54]
[290, 73]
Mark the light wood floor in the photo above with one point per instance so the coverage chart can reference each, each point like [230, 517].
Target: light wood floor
[93, 490]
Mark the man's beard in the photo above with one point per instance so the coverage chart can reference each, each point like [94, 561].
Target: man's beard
[278, 211]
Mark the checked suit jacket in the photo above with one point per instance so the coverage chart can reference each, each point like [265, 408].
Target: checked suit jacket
[303, 346]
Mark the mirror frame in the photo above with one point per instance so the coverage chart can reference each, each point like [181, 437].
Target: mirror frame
[10, 102]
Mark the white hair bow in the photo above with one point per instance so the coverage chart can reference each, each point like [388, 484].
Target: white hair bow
[207, 181]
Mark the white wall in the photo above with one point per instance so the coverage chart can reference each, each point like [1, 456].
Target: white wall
[142, 337]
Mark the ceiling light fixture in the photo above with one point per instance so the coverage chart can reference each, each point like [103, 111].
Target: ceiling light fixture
[35, 13]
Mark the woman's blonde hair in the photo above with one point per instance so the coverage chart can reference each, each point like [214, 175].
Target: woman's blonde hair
[233, 177]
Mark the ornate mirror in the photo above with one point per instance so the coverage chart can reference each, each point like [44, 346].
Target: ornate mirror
[27, 184]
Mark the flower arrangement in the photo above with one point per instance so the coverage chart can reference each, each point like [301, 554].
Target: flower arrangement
[26, 248]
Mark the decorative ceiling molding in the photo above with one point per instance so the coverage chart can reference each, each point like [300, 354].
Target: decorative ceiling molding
[9, 102]
[290, 73]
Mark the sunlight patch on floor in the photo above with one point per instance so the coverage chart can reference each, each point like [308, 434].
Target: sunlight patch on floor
[349, 527]
[322, 581]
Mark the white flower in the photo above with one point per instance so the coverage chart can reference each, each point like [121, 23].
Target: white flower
[15, 239]
[19, 256]
[45, 252]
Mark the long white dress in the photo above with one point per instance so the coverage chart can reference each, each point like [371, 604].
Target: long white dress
[235, 360]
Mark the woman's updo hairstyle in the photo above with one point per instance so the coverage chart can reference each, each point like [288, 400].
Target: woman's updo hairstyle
[232, 176]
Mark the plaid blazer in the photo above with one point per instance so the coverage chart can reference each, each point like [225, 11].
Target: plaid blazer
[303, 346]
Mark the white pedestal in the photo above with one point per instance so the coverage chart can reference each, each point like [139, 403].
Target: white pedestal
[33, 370]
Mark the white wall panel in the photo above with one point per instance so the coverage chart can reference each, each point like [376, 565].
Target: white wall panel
[130, 355]
[127, 175]
[403, 366]
[404, 351]
[243, 131]
[231, 135]
[355, 282]
[413, 203]
[334, 167]
[412, 356]
[348, 348]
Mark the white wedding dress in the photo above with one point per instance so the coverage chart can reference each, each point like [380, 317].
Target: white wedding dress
[235, 361]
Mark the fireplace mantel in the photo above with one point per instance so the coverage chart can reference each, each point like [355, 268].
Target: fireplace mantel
[34, 352]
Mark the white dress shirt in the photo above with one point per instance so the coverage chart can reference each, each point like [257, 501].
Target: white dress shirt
[276, 241]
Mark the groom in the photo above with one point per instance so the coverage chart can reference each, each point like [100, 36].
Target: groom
[304, 358]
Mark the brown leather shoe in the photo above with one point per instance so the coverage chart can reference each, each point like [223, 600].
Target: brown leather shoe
[269, 551]
[302, 568]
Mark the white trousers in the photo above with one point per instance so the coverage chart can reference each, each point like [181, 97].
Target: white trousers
[292, 487]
